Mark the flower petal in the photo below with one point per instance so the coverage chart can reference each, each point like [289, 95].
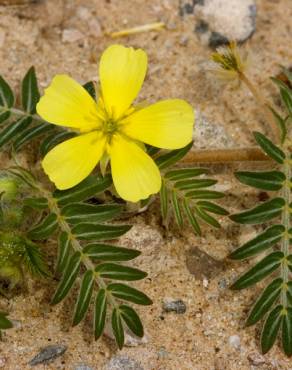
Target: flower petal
[167, 124]
[66, 103]
[135, 175]
[70, 162]
[121, 71]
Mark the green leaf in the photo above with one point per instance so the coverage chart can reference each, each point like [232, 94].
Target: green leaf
[270, 180]
[269, 148]
[266, 240]
[271, 329]
[6, 94]
[185, 173]
[170, 158]
[105, 252]
[287, 332]
[192, 219]
[119, 272]
[90, 88]
[4, 116]
[204, 194]
[34, 260]
[289, 293]
[70, 274]
[4, 322]
[31, 133]
[206, 217]
[36, 203]
[262, 213]
[84, 297]
[80, 212]
[176, 208]
[281, 122]
[14, 129]
[64, 246]
[30, 91]
[286, 96]
[131, 318]
[194, 184]
[45, 229]
[118, 329]
[128, 293]
[211, 207]
[164, 201]
[100, 313]
[262, 269]
[88, 188]
[265, 301]
[87, 231]
[52, 140]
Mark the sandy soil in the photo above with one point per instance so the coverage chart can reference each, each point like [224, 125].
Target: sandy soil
[43, 35]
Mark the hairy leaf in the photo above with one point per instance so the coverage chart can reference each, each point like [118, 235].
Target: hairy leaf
[105, 252]
[4, 116]
[12, 130]
[211, 207]
[269, 148]
[118, 329]
[30, 91]
[265, 301]
[262, 213]
[45, 229]
[287, 331]
[185, 173]
[87, 231]
[30, 133]
[170, 158]
[119, 272]
[271, 328]
[100, 313]
[84, 297]
[176, 207]
[192, 219]
[204, 194]
[132, 320]
[128, 293]
[206, 217]
[262, 269]
[52, 140]
[34, 260]
[63, 251]
[266, 240]
[164, 201]
[270, 180]
[286, 96]
[194, 184]
[68, 278]
[36, 203]
[6, 94]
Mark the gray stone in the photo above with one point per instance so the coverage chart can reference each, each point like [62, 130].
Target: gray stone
[256, 359]
[202, 265]
[48, 354]
[234, 341]
[123, 363]
[82, 367]
[177, 306]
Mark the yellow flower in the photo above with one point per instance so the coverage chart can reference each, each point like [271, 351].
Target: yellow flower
[112, 127]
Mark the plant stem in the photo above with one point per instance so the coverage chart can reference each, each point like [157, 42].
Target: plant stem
[286, 194]
[225, 155]
[21, 113]
[265, 106]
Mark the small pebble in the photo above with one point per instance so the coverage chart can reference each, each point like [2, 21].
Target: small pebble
[82, 367]
[256, 359]
[123, 363]
[222, 283]
[234, 341]
[71, 35]
[177, 306]
[48, 354]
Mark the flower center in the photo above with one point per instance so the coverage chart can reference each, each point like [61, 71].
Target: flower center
[110, 126]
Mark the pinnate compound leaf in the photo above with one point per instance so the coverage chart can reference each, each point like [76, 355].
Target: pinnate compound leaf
[164, 201]
[271, 328]
[106, 252]
[68, 278]
[30, 133]
[52, 140]
[204, 194]
[131, 318]
[34, 260]
[170, 158]
[192, 219]
[119, 272]
[262, 213]
[176, 208]
[262, 269]
[287, 331]
[30, 91]
[286, 96]
[264, 241]
[12, 130]
[87, 231]
[88, 188]
[84, 297]
[100, 313]
[45, 229]
[36, 203]
[76, 213]
[6, 94]
[270, 148]
[4, 116]
[270, 180]
[118, 329]
[211, 207]
[184, 173]
[194, 184]
[128, 293]
[204, 216]
[265, 301]
[64, 246]
[281, 122]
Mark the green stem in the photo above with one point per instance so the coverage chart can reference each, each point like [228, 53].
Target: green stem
[286, 194]
[20, 113]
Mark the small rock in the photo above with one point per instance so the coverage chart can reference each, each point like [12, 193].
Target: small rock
[256, 359]
[82, 367]
[202, 265]
[72, 35]
[205, 283]
[234, 341]
[222, 283]
[177, 306]
[48, 354]
[94, 27]
[123, 363]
